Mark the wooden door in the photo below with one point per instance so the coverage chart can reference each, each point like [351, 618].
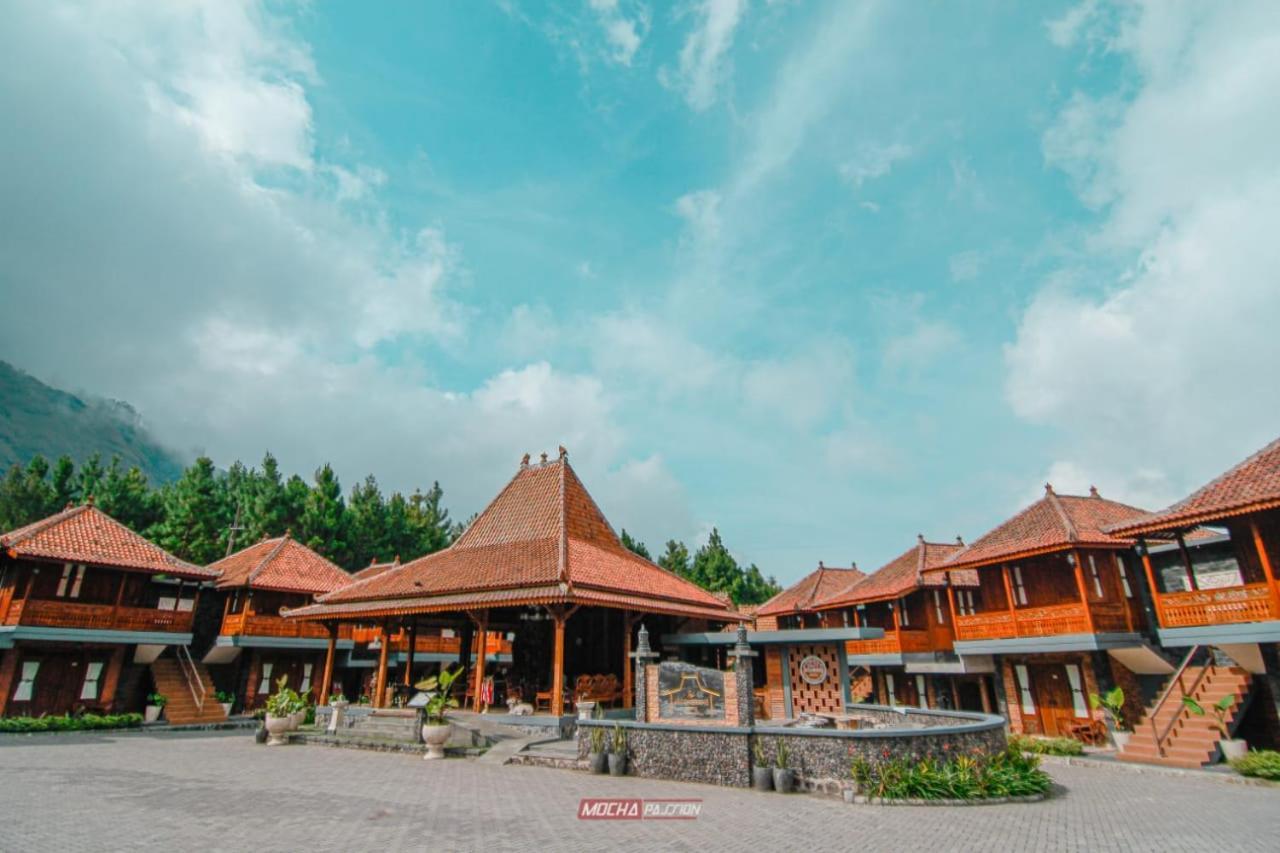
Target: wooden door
[1055, 702]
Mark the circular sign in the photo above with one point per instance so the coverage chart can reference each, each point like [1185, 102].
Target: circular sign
[813, 669]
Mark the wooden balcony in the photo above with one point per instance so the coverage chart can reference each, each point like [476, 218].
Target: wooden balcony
[892, 643]
[428, 643]
[46, 613]
[1231, 605]
[1045, 621]
[263, 625]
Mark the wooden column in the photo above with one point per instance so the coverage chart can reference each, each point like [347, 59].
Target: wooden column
[1151, 581]
[1008, 594]
[857, 620]
[1267, 569]
[628, 677]
[955, 693]
[380, 681]
[1084, 594]
[559, 615]
[177, 596]
[408, 660]
[1186, 563]
[482, 653]
[951, 603]
[986, 696]
[326, 680]
[897, 619]
[124, 577]
[111, 678]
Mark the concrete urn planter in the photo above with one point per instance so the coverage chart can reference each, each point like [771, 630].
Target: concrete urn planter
[784, 780]
[1121, 739]
[277, 729]
[152, 713]
[226, 708]
[435, 737]
[586, 709]
[599, 762]
[1233, 749]
[762, 778]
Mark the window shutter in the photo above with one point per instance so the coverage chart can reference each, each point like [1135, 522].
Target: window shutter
[888, 685]
[1097, 581]
[1123, 571]
[26, 687]
[1018, 589]
[306, 677]
[1024, 688]
[906, 617]
[1077, 693]
[265, 686]
[62, 582]
[92, 673]
[923, 693]
[937, 607]
[75, 587]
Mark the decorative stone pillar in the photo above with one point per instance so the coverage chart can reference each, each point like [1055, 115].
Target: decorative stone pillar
[643, 654]
[743, 678]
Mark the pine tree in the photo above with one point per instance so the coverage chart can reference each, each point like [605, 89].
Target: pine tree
[675, 559]
[428, 522]
[324, 518]
[367, 524]
[635, 546]
[64, 482]
[267, 512]
[296, 492]
[89, 483]
[26, 495]
[714, 568]
[127, 497]
[755, 588]
[195, 517]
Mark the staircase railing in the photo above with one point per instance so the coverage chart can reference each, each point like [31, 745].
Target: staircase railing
[194, 681]
[1178, 680]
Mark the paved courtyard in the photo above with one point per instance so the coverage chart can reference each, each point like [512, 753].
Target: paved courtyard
[220, 791]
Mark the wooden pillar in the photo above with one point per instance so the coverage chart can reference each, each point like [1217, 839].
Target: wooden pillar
[628, 687]
[1151, 581]
[226, 607]
[951, 603]
[177, 596]
[857, 620]
[124, 577]
[1008, 594]
[380, 682]
[955, 692]
[408, 660]
[1084, 594]
[1267, 569]
[897, 619]
[986, 695]
[1186, 562]
[111, 678]
[557, 665]
[326, 680]
[482, 653]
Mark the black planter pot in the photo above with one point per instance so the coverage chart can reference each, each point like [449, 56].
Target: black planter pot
[784, 781]
[762, 778]
[599, 762]
[617, 765]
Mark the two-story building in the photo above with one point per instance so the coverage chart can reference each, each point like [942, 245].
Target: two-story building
[1057, 605]
[94, 616]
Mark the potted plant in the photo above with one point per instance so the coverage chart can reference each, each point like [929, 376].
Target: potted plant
[226, 700]
[618, 755]
[1232, 748]
[761, 772]
[1112, 702]
[281, 706]
[784, 778]
[599, 758]
[155, 704]
[435, 728]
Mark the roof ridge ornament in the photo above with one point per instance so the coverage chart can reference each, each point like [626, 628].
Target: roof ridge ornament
[1093, 492]
[564, 454]
[524, 462]
[1067, 525]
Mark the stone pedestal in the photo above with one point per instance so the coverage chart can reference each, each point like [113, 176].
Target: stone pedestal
[643, 655]
[744, 679]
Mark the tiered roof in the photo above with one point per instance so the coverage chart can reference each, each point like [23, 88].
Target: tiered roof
[1053, 523]
[282, 564]
[543, 540]
[86, 534]
[902, 575]
[374, 568]
[812, 590]
[1251, 486]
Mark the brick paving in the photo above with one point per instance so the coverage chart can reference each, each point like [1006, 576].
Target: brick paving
[220, 791]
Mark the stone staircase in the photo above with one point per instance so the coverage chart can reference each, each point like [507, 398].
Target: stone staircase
[1192, 741]
[181, 709]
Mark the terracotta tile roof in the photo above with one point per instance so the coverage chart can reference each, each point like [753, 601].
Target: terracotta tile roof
[1251, 486]
[814, 588]
[282, 564]
[86, 534]
[374, 569]
[543, 530]
[898, 577]
[1053, 523]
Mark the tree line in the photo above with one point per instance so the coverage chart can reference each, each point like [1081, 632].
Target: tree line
[196, 516]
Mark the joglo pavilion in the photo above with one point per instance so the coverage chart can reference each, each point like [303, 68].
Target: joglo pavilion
[542, 565]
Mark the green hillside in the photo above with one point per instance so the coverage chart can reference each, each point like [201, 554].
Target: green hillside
[35, 418]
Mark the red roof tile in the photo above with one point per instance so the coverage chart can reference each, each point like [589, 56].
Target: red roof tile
[898, 577]
[542, 530]
[1053, 523]
[281, 564]
[86, 534]
[815, 587]
[374, 569]
[1251, 486]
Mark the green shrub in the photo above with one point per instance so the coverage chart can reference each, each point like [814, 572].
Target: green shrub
[1046, 745]
[1263, 763]
[68, 723]
[1007, 774]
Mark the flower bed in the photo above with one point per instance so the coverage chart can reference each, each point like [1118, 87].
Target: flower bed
[1047, 745]
[1005, 776]
[67, 723]
[1259, 763]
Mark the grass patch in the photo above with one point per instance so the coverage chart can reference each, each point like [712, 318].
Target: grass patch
[1260, 763]
[68, 723]
[1046, 745]
[1007, 774]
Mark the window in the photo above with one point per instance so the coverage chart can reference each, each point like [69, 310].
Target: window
[1024, 689]
[937, 607]
[72, 575]
[1093, 573]
[265, 685]
[889, 688]
[922, 692]
[92, 674]
[905, 619]
[306, 678]
[1123, 571]
[1019, 588]
[62, 582]
[27, 684]
[1081, 708]
[964, 602]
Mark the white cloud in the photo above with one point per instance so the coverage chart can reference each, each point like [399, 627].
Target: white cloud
[920, 347]
[624, 33]
[701, 212]
[805, 388]
[1162, 376]
[965, 266]
[704, 63]
[1065, 29]
[872, 161]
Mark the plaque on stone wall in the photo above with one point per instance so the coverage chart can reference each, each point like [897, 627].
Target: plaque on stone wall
[688, 692]
[813, 669]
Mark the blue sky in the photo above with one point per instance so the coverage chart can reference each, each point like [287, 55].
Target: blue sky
[824, 275]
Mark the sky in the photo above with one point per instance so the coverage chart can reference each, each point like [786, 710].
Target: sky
[824, 275]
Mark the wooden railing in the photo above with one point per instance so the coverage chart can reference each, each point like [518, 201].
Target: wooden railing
[264, 625]
[47, 613]
[892, 643]
[1249, 603]
[1047, 621]
[427, 643]
[1179, 681]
